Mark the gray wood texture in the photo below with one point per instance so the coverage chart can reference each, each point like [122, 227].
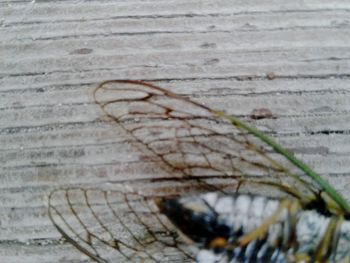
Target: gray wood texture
[291, 57]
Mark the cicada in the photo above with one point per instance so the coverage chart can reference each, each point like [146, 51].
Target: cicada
[232, 195]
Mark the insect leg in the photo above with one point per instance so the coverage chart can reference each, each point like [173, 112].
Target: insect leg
[291, 206]
[326, 245]
[284, 188]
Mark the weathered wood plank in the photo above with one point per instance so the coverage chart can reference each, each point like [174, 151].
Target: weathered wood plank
[292, 58]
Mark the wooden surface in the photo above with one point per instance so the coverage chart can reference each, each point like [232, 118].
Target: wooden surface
[238, 56]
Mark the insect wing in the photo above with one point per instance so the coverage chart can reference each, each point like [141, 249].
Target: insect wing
[115, 226]
[191, 140]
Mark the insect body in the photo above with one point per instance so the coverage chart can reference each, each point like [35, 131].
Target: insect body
[247, 228]
[233, 191]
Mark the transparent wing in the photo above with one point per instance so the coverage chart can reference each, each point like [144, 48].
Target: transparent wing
[115, 226]
[201, 148]
[194, 142]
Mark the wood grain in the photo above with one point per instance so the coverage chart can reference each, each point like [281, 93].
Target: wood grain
[220, 53]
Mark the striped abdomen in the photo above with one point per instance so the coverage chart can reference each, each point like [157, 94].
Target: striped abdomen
[220, 224]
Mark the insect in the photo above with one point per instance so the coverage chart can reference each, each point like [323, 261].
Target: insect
[232, 193]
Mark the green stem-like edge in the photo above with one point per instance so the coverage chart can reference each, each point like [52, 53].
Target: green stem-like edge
[337, 197]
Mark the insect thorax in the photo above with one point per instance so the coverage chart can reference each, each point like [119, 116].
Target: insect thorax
[251, 228]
